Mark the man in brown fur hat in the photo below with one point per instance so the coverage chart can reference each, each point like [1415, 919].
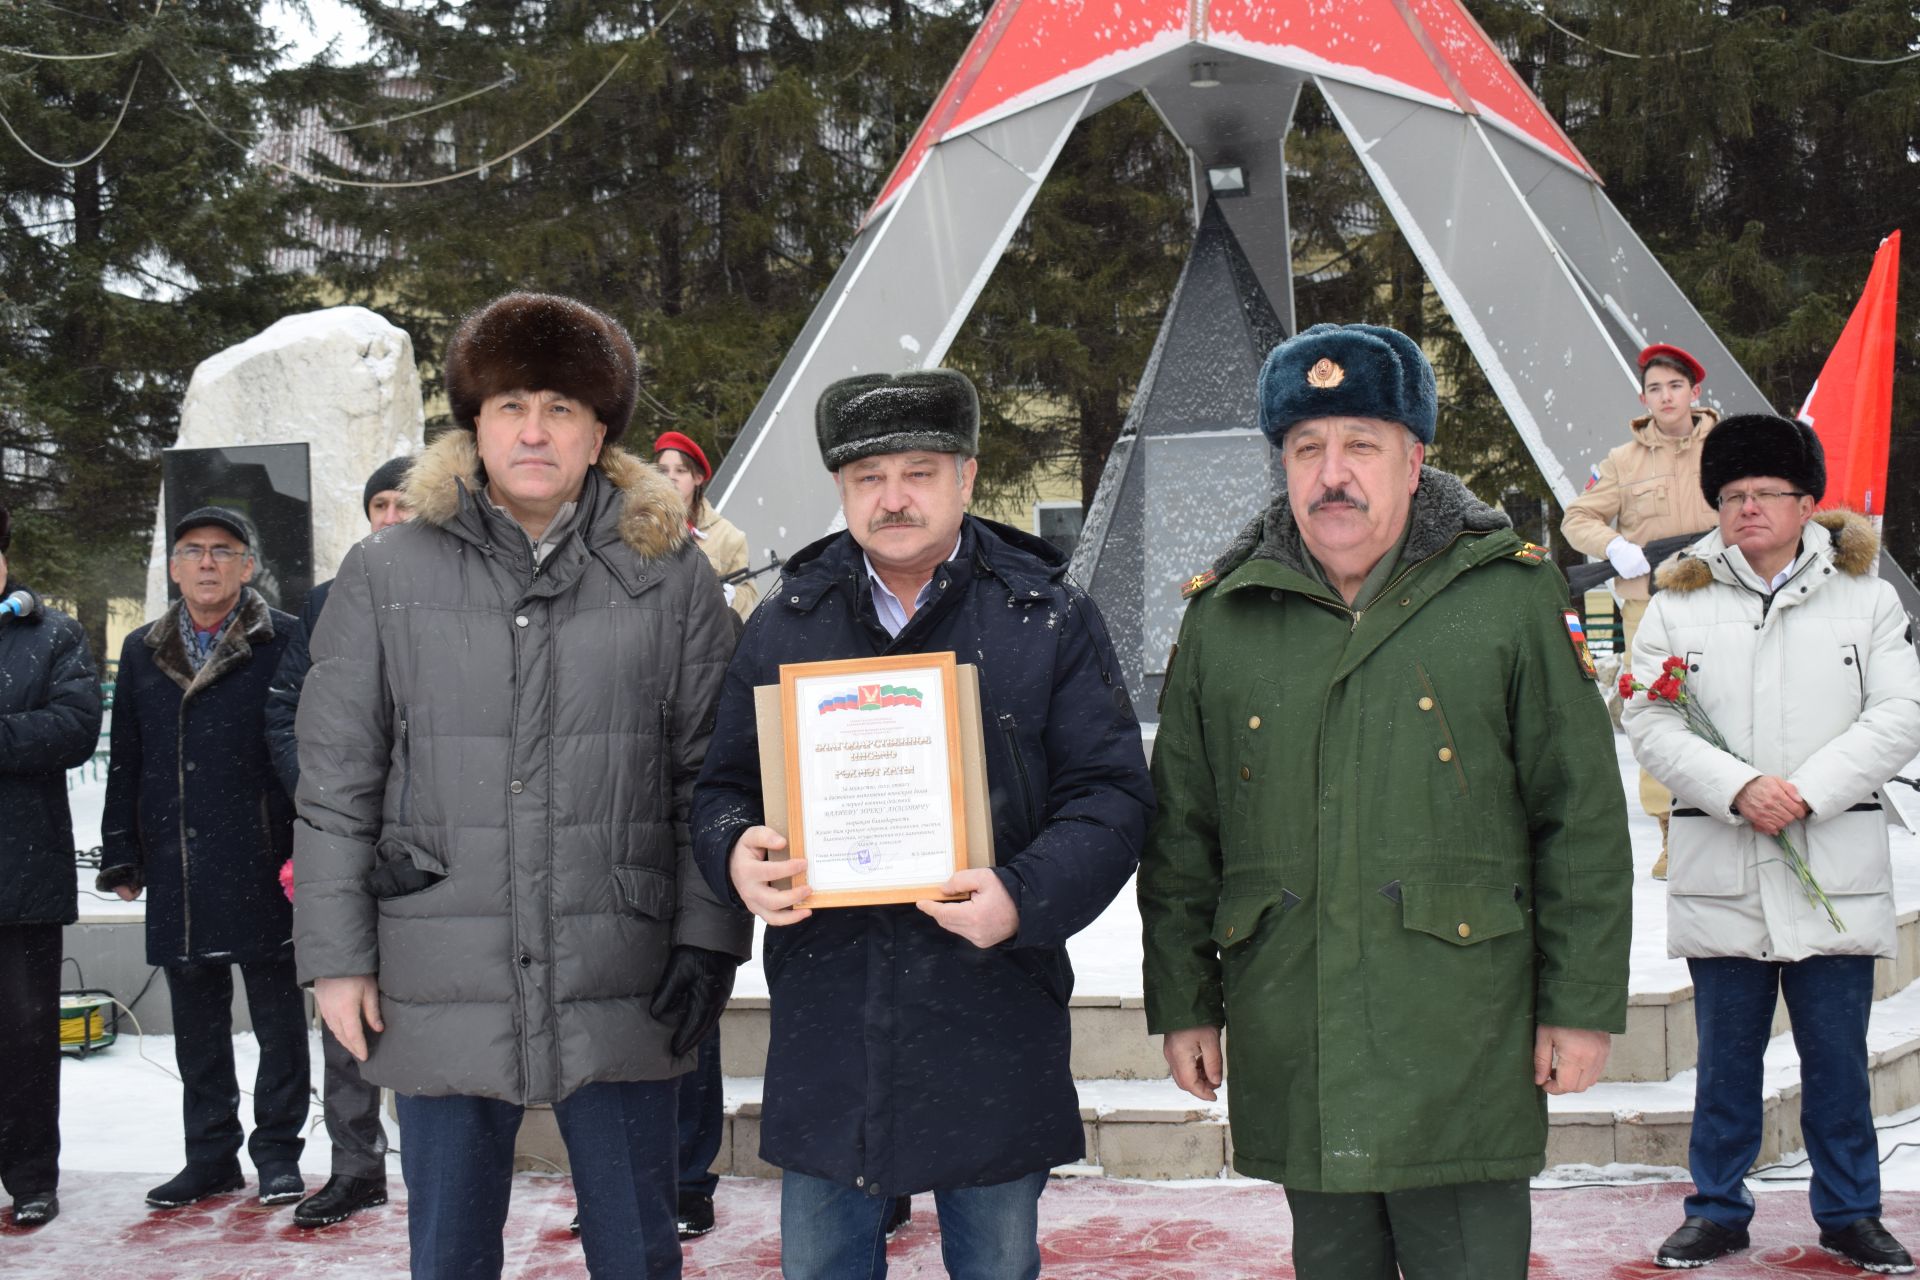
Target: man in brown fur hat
[510, 697]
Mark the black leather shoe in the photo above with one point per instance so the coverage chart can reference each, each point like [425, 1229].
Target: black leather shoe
[901, 1213]
[339, 1200]
[36, 1210]
[695, 1216]
[281, 1184]
[1869, 1246]
[1698, 1242]
[196, 1182]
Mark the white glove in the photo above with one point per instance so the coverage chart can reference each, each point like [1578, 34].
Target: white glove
[1627, 559]
[728, 588]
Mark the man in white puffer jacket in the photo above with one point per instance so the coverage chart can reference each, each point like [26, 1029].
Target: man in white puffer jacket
[1803, 658]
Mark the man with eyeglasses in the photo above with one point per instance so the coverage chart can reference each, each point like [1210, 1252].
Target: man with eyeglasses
[1645, 490]
[1802, 657]
[196, 817]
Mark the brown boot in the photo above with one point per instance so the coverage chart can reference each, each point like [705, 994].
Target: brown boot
[1660, 863]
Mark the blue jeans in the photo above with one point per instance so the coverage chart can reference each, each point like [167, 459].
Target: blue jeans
[703, 1120]
[1828, 999]
[456, 1154]
[833, 1232]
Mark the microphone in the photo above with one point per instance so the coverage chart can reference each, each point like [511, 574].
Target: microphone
[22, 604]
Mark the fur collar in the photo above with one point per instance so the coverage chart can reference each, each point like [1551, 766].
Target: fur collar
[652, 518]
[1853, 545]
[251, 626]
[1443, 508]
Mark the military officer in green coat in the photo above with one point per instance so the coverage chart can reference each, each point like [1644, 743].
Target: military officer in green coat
[1391, 855]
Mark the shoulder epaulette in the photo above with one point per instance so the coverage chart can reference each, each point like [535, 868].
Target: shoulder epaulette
[1197, 583]
[1532, 553]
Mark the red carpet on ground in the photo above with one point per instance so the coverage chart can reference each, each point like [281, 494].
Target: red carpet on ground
[1091, 1229]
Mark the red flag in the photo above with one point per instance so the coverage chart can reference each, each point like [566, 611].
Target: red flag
[1851, 405]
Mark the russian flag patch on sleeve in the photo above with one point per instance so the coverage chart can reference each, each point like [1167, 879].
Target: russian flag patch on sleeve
[1577, 633]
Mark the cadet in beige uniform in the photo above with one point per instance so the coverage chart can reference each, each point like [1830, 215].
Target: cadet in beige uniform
[1645, 490]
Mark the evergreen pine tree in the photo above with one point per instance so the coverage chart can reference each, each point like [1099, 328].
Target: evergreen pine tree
[120, 274]
[705, 196]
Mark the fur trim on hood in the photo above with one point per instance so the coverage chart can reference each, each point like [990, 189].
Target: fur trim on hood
[1855, 550]
[1443, 507]
[653, 519]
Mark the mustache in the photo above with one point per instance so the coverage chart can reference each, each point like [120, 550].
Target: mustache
[897, 519]
[1353, 500]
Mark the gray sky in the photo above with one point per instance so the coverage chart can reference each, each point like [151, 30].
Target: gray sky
[330, 20]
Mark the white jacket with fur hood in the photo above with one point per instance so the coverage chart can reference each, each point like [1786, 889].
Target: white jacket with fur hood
[1819, 685]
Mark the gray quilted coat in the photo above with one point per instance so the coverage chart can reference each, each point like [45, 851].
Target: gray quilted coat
[533, 736]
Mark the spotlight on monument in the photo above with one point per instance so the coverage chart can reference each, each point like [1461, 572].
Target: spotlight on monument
[1228, 180]
[1206, 75]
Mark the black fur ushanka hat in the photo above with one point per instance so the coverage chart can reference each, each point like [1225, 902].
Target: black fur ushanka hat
[1762, 444]
[931, 409]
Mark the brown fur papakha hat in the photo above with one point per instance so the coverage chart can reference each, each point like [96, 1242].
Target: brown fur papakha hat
[543, 342]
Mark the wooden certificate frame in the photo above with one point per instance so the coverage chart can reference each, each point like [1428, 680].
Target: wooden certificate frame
[864, 675]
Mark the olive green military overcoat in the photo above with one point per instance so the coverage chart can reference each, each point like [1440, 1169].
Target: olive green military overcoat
[1389, 844]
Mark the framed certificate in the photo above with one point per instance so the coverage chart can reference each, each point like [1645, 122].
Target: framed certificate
[875, 789]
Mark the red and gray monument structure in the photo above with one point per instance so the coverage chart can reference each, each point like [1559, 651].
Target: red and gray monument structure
[1550, 287]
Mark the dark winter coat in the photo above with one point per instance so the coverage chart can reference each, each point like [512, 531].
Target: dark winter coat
[531, 736]
[903, 1058]
[1390, 844]
[283, 699]
[49, 722]
[194, 810]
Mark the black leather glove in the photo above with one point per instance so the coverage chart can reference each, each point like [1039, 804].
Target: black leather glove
[694, 990]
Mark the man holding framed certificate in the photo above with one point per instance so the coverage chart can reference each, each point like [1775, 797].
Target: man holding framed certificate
[918, 906]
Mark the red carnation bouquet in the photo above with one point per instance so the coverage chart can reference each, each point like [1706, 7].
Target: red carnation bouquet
[1671, 688]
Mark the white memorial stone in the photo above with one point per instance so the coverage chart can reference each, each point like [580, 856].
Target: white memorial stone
[343, 381]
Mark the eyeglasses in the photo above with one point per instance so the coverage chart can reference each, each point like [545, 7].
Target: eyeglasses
[192, 553]
[1737, 498]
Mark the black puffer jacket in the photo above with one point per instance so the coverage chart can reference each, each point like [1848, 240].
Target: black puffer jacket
[903, 1058]
[49, 722]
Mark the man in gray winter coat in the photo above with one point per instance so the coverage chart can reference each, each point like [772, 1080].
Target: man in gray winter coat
[511, 695]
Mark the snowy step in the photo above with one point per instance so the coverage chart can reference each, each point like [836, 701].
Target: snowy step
[1149, 1129]
[1647, 1123]
[1144, 1129]
[1110, 1040]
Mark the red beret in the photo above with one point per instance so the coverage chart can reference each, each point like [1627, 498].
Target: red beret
[1695, 374]
[685, 444]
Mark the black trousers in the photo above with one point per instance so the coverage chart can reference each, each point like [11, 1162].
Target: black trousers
[352, 1108]
[29, 1058]
[203, 1050]
[703, 1119]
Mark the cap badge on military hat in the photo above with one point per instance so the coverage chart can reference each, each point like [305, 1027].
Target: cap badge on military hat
[1326, 375]
[1347, 371]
